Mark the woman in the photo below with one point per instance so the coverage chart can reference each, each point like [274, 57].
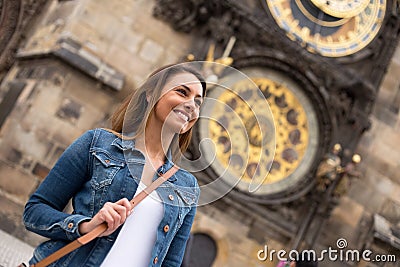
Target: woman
[102, 169]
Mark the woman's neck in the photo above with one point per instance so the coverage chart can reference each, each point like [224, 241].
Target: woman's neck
[154, 144]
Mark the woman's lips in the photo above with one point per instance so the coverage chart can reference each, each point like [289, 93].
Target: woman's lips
[182, 114]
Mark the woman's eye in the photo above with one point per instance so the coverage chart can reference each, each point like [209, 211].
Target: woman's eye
[182, 91]
[198, 102]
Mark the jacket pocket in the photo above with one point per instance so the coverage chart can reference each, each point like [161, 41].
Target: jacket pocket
[105, 168]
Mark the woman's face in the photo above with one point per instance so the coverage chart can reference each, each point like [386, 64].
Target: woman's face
[179, 105]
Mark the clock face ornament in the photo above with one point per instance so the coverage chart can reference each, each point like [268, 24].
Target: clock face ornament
[332, 28]
[341, 8]
[263, 129]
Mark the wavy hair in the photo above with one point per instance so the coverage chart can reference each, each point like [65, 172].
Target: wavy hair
[130, 118]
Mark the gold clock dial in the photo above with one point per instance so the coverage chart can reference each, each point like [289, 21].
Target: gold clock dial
[274, 147]
[341, 8]
[332, 28]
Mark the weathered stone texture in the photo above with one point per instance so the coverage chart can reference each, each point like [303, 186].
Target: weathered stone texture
[59, 102]
[391, 211]
[151, 51]
[123, 36]
[45, 120]
[70, 110]
[88, 36]
[40, 170]
[121, 31]
[11, 222]
[382, 113]
[378, 190]
[16, 182]
[233, 249]
[129, 40]
[61, 11]
[348, 211]
[364, 193]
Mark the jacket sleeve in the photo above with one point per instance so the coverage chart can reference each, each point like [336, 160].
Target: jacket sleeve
[43, 212]
[176, 250]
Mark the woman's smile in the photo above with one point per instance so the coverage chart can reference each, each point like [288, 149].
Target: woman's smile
[181, 96]
[182, 114]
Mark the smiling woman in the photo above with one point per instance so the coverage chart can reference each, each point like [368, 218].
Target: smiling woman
[104, 168]
[179, 105]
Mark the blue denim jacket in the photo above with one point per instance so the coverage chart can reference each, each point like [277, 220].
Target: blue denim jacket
[94, 170]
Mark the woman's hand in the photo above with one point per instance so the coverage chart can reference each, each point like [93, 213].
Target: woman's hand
[114, 214]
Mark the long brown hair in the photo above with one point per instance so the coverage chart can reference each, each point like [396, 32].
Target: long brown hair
[130, 118]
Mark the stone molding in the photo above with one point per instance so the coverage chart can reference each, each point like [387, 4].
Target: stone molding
[77, 55]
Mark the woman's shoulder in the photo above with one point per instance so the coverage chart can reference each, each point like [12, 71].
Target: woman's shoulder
[101, 139]
[103, 135]
[187, 183]
[98, 132]
[187, 187]
[106, 132]
[188, 178]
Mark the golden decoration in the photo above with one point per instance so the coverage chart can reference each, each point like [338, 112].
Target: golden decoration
[333, 28]
[291, 131]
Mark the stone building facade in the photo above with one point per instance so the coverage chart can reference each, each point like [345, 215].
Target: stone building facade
[69, 63]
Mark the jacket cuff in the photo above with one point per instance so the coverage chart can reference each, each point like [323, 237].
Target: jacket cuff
[71, 224]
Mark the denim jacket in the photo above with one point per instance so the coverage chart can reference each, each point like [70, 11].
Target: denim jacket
[98, 168]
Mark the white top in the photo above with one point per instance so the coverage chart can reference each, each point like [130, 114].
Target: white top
[136, 240]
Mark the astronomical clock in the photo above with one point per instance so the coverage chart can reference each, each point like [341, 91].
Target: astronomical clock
[312, 72]
[315, 62]
[331, 28]
[266, 133]
[315, 68]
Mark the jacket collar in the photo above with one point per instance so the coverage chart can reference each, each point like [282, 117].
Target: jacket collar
[123, 144]
[126, 145]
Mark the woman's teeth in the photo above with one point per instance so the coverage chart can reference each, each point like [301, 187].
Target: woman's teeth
[183, 116]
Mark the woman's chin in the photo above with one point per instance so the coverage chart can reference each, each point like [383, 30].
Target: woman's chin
[177, 127]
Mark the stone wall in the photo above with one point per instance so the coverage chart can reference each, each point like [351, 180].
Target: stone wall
[76, 65]
[377, 191]
[53, 108]
[84, 56]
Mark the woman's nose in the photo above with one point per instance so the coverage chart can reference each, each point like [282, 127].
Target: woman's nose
[189, 105]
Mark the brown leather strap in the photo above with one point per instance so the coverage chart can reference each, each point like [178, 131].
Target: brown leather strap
[103, 227]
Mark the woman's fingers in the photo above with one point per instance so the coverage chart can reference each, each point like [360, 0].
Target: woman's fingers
[111, 215]
[125, 202]
[114, 214]
[119, 214]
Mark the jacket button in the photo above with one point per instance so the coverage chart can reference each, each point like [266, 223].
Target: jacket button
[155, 260]
[107, 161]
[70, 225]
[171, 197]
[166, 228]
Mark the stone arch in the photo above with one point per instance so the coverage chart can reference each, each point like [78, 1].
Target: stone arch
[208, 235]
